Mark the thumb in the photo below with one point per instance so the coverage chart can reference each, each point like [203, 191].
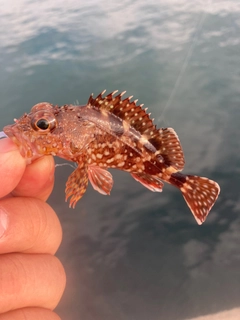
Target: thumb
[12, 166]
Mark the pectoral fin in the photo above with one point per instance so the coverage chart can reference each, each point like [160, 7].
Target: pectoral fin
[100, 179]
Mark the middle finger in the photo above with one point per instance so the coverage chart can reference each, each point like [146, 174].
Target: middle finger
[32, 226]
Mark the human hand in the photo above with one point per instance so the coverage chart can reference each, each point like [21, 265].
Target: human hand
[32, 279]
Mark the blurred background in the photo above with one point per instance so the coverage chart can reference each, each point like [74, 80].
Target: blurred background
[137, 254]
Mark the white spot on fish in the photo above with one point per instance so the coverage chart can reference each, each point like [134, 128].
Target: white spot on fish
[99, 155]
[118, 156]
[106, 152]
[121, 164]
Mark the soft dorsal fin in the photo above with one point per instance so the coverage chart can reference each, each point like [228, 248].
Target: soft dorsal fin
[169, 148]
[126, 110]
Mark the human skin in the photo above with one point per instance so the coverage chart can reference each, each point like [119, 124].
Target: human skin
[32, 279]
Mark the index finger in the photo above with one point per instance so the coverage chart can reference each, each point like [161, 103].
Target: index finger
[37, 180]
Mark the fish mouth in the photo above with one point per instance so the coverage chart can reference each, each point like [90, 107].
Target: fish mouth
[22, 142]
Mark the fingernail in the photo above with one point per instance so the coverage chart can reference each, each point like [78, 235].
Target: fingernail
[2, 135]
[3, 222]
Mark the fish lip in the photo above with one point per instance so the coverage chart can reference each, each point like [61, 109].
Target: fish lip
[18, 138]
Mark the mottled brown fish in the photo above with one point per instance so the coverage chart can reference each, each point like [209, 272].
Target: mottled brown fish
[111, 132]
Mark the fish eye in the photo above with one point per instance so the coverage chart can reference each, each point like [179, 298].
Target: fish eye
[42, 124]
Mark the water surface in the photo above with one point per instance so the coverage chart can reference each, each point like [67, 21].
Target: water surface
[137, 254]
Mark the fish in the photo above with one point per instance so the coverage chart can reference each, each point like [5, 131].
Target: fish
[108, 132]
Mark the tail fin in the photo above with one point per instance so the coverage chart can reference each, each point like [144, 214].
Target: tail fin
[200, 194]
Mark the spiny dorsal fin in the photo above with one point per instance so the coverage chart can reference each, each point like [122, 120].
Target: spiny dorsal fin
[126, 110]
[164, 140]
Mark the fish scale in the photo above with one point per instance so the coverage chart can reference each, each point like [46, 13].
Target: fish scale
[111, 132]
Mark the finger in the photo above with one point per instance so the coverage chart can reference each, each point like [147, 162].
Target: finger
[30, 280]
[37, 180]
[30, 314]
[28, 225]
[12, 166]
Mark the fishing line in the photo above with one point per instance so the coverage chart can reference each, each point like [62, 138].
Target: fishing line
[198, 28]
[66, 164]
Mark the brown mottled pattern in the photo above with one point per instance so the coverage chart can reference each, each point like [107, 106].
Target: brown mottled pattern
[110, 152]
[111, 132]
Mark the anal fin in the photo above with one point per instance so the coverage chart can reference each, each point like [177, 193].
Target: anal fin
[153, 183]
[100, 179]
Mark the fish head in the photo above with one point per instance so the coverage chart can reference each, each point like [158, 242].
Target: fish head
[34, 134]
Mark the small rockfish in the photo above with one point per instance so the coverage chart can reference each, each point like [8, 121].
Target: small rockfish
[111, 132]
